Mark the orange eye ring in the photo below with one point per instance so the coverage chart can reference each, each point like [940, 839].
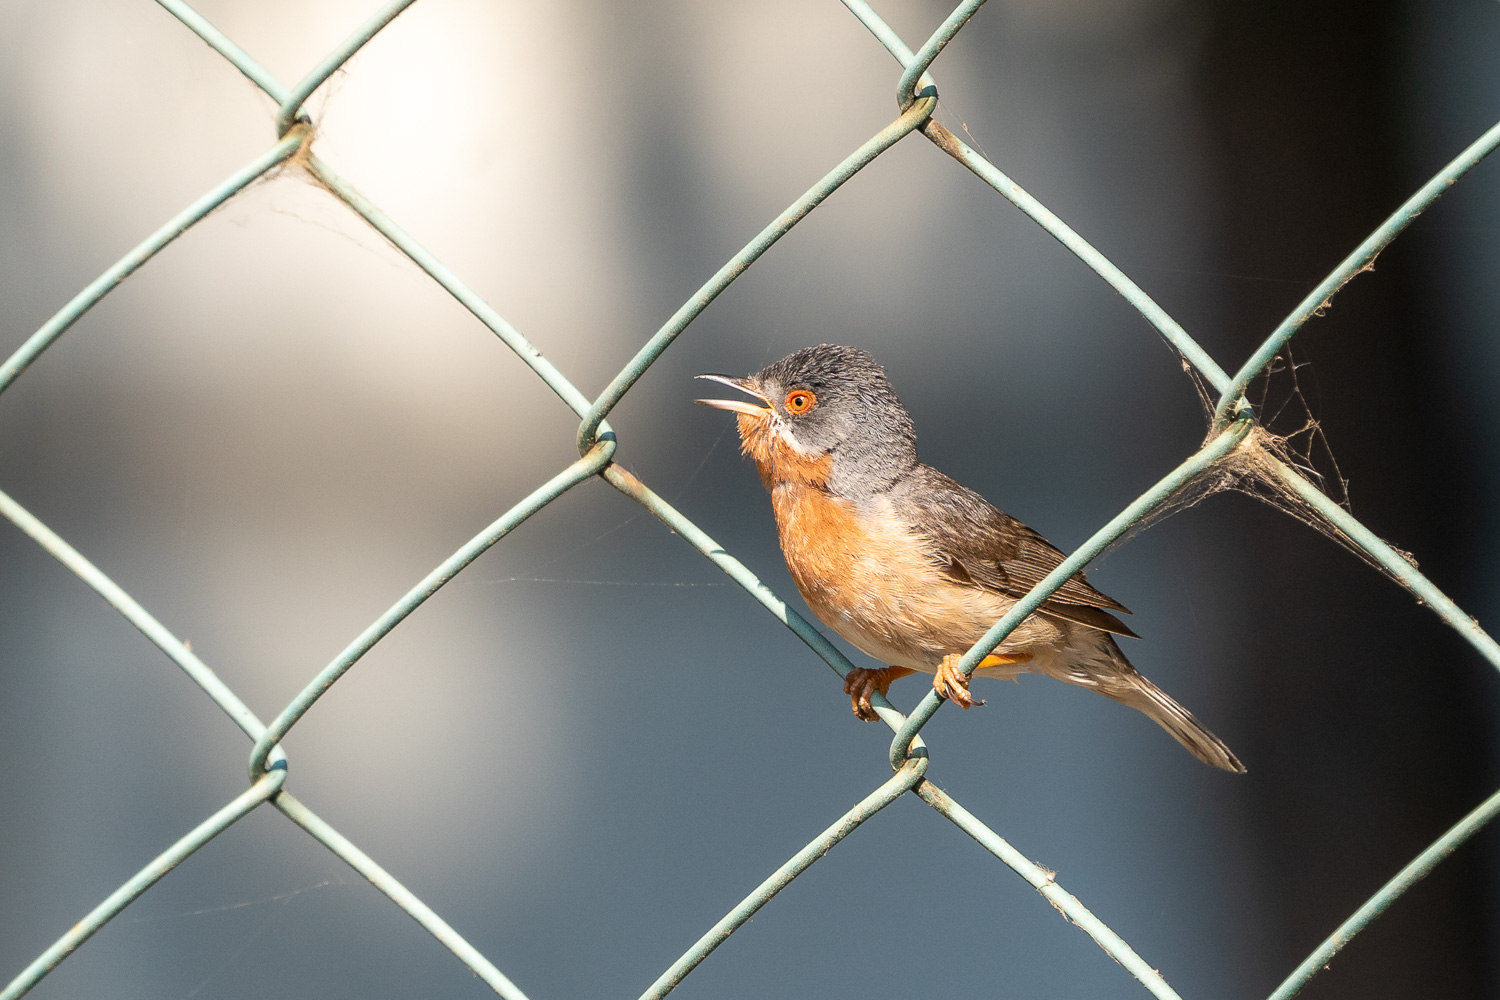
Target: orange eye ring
[799, 401]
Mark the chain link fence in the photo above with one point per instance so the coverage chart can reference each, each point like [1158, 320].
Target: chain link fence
[1236, 447]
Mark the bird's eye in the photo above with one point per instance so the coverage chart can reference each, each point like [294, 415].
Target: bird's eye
[799, 401]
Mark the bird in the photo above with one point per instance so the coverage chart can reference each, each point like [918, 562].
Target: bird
[908, 565]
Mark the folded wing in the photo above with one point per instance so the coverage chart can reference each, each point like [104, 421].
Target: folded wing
[978, 545]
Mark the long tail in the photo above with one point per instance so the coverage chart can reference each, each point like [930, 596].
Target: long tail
[1135, 690]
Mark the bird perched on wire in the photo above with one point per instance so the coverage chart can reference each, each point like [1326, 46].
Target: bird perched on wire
[908, 565]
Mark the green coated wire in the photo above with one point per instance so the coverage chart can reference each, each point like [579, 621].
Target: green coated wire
[319, 74]
[632, 487]
[1045, 882]
[583, 468]
[1362, 259]
[906, 91]
[887, 137]
[1170, 485]
[200, 673]
[238, 57]
[1416, 870]
[398, 894]
[894, 787]
[1391, 561]
[597, 445]
[127, 265]
[1170, 330]
[1232, 390]
[377, 219]
[1106, 938]
[236, 709]
[467, 297]
[122, 897]
[986, 171]
[138, 616]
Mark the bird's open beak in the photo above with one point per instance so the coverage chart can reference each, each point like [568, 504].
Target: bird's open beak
[738, 405]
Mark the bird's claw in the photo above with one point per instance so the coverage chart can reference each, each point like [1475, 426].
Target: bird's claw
[859, 686]
[950, 683]
[862, 684]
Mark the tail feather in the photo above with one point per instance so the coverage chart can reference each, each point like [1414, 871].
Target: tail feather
[1160, 708]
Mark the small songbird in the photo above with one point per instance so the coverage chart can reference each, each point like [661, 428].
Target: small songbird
[908, 565]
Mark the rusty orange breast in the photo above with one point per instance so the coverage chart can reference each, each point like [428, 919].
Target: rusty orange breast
[821, 539]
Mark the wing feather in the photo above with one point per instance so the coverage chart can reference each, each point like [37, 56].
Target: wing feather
[978, 545]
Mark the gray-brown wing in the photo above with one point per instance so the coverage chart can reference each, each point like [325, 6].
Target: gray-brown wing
[977, 544]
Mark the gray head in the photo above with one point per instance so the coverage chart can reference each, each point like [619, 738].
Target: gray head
[836, 401]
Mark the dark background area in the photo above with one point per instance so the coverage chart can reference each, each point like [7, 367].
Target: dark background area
[589, 746]
[1337, 684]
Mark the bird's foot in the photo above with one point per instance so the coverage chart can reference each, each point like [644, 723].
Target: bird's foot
[863, 682]
[949, 682]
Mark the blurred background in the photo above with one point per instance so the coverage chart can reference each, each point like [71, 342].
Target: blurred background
[590, 745]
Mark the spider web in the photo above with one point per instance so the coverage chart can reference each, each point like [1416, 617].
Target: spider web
[1287, 434]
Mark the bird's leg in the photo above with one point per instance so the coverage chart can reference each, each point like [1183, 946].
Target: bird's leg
[949, 682]
[863, 682]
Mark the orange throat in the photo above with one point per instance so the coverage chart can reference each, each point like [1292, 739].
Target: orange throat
[776, 460]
